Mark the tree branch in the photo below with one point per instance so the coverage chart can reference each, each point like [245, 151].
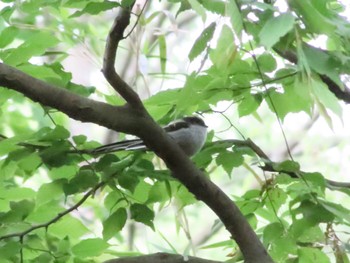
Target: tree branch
[58, 217]
[161, 258]
[268, 163]
[116, 34]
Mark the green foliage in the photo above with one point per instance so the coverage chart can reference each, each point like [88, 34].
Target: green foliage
[241, 63]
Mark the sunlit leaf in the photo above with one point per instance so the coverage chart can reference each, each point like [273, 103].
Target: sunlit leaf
[90, 247]
[275, 28]
[114, 223]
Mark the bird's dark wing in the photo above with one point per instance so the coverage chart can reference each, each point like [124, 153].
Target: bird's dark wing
[176, 126]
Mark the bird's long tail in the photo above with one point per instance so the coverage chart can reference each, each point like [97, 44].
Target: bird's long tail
[135, 144]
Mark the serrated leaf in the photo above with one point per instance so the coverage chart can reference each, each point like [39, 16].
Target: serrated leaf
[229, 160]
[267, 62]
[114, 223]
[325, 96]
[202, 41]
[79, 139]
[141, 213]
[235, 17]
[35, 45]
[30, 162]
[128, 181]
[295, 98]
[158, 193]
[95, 8]
[9, 250]
[48, 192]
[223, 56]
[308, 254]
[250, 103]
[68, 224]
[58, 133]
[198, 9]
[276, 198]
[275, 28]
[91, 247]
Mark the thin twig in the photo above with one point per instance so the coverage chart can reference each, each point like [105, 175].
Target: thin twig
[58, 217]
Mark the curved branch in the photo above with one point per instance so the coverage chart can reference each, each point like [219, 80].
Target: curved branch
[116, 34]
[161, 258]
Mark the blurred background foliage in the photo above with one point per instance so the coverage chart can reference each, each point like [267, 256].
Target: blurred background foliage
[220, 59]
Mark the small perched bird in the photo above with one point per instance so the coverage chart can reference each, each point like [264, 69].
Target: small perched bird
[189, 133]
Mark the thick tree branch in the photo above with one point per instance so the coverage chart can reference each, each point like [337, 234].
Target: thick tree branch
[116, 34]
[161, 258]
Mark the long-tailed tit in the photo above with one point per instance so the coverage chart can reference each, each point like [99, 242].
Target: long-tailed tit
[189, 133]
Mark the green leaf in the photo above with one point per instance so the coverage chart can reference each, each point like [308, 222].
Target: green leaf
[323, 63]
[249, 104]
[65, 171]
[68, 224]
[141, 213]
[224, 54]
[295, 98]
[9, 250]
[159, 193]
[114, 223]
[198, 9]
[202, 41]
[49, 192]
[236, 17]
[83, 180]
[267, 62]
[128, 181]
[22, 208]
[287, 166]
[338, 210]
[35, 45]
[115, 200]
[325, 96]
[30, 162]
[58, 133]
[13, 193]
[276, 198]
[229, 160]
[314, 20]
[272, 232]
[8, 35]
[275, 28]
[79, 139]
[307, 254]
[91, 247]
[95, 8]
[215, 6]
[162, 53]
